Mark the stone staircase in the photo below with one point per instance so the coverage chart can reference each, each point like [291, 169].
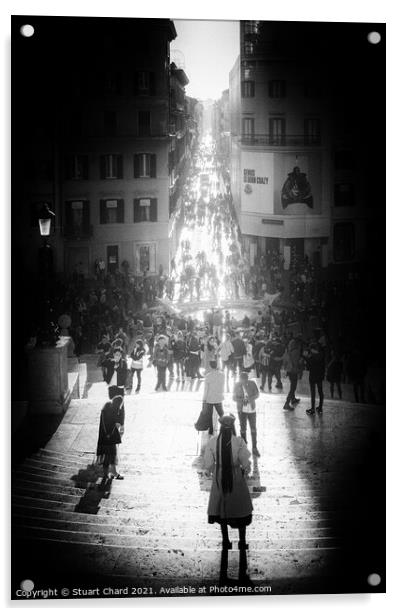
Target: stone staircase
[152, 527]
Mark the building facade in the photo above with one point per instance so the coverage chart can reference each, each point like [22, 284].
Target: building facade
[221, 131]
[107, 151]
[291, 166]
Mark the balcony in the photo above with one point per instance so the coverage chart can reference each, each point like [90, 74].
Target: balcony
[281, 140]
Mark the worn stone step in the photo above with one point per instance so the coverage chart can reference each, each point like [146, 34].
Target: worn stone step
[198, 515]
[145, 542]
[182, 566]
[176, 529]
[123, 497]
[138, 486]
[139, 518]
[63, 471]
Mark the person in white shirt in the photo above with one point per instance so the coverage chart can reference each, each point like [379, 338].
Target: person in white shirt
[213, 391]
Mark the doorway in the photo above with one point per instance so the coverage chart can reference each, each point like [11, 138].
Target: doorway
[112, 259]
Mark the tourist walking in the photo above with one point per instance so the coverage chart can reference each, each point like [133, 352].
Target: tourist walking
[227, 457]
[111, 429]
[245, 394]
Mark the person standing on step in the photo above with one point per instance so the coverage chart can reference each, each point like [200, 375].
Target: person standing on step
[226, 351]
[213, 391]
[245, 394]
[179, 354]
[115, 373]
[277, 351]
[315, 360]
[111, 429]
[227, 457]
[238, 352]
[137, 364]
[293, 367]
[160, 360]
[264, 356]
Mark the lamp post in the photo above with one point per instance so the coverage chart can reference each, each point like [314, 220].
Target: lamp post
[47, 333]
[45, 218]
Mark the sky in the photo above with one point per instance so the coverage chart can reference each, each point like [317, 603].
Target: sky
[210, 49]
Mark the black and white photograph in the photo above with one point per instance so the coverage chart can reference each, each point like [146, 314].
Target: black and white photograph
[197, 307]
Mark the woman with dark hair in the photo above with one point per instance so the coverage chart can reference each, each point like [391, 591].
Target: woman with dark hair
[111, 428]
[227, 456]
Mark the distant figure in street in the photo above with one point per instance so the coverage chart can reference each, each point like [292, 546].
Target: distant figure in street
[228, 458]
[213, 391]
[245, 394]
[315, 360]
[111, 429]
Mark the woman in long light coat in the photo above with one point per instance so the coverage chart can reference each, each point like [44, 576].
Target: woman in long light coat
[228, 458]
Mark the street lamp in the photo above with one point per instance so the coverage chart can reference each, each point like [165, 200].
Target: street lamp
[45, 220]
[47, 334]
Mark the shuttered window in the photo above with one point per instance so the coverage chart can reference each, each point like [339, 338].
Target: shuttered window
[76, 167]
[145, 209]
[111, 166]
[111, 211]
[277, 88]
[145, 165]
[76, 218]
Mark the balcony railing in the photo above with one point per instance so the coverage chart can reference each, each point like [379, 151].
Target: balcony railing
[281, 140]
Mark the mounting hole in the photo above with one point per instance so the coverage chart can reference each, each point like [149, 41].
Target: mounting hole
[374, 579]
[27, 30]
[374, 38]
[27, 585]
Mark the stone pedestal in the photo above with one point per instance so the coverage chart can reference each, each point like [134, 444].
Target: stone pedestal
[48, 378]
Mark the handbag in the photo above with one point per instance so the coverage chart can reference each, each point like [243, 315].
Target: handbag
[205, 418]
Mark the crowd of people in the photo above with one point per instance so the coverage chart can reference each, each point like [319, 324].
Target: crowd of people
[266, 351]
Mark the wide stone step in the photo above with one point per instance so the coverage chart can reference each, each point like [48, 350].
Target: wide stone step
[270, 479]
[196, 514]
[137, 486]
[183, 567]
[146, 542]
[29, 509]
[169, 528]
[141, 496]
